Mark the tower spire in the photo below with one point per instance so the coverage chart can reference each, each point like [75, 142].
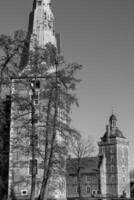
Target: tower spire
[112, 110]
[47, 2]
[43, 24]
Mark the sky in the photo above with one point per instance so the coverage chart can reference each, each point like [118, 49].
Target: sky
[99, 34]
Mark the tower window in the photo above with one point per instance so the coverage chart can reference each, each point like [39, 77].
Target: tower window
[24, 192]
[75, 179]
[94, 180]
[102, 150]
[112, 159]
[39, 3]
[36, 84]
[89, 178]
[76, 189]
[124, 179]
[112, 179]
[36, 98]
[112, 168]
[112, 149]
[36, 118]
[123, 169]
[88, 190]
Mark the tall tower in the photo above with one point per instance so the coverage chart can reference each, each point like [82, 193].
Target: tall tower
[41, 24]
[114, 148]
[41, 31]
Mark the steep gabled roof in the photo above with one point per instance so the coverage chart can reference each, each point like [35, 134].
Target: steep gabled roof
[87, 165]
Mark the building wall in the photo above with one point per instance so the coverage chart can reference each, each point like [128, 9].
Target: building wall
[108, 150]
[103, 177]
[116, 153]
[20, 142]
[122, 167]
[89, 185]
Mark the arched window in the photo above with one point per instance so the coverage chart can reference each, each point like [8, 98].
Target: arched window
[88, 189]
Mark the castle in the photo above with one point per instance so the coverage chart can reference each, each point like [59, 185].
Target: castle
[106, 174]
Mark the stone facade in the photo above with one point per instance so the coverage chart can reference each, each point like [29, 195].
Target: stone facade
[41, 30]
[20, 142]
[42, 24]
[114, 146]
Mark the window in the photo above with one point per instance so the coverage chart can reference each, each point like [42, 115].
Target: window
[124, 179]
[88, 190]
[102, 150]
[39, 3]
[94, 192]
[76, 189]
[112, 168]
[17, 152]
[112, 179]
[123, 169]
[112, 159]
[94, 179]
[112, 149]
[73, 179]
[24, 192]
[89, 178]
[31, 164]
[36, 98]
[36, 118]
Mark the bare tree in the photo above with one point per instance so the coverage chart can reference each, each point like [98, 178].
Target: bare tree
[79, 149]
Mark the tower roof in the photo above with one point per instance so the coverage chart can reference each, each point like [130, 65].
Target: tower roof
[112, 130]
[112, 117]
[116, 134]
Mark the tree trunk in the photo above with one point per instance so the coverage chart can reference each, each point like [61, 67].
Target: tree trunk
[50, 159]
[79, 180]
[33, 170]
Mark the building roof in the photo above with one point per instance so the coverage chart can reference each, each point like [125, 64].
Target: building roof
[87, 165]
[113, 134]
[113, 117]
[112, 131]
